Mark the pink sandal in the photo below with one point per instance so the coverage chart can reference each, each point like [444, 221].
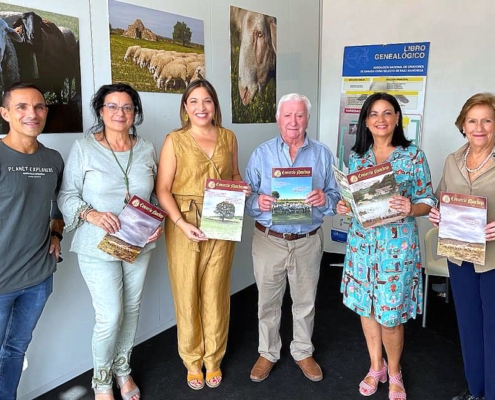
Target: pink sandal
[378, 376]
[396, 380]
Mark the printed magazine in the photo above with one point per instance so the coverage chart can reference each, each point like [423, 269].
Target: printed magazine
[290, 187]
[223, 209]
[138, 220]
[461, 232]
[367, 192]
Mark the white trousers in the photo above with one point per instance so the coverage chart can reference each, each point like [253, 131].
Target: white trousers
[116, 289]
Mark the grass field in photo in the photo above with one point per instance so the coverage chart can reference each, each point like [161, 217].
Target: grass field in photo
[228, 229]
[141, 79]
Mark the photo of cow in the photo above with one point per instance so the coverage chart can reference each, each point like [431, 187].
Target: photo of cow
[43, 48]
[253, 63]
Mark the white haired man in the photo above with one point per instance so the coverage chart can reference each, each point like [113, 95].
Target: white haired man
[292, 252]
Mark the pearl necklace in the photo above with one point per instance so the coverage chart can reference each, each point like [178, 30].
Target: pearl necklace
[474, 170]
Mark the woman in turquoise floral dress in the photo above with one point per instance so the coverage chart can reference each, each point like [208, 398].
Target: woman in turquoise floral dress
[382, 277]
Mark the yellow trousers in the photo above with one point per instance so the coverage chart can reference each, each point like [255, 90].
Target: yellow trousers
[200, 280]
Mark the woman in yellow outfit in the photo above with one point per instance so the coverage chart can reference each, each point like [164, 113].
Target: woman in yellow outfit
[199, 268]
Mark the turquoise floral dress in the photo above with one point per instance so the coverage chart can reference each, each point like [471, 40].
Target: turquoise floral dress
[382, 269]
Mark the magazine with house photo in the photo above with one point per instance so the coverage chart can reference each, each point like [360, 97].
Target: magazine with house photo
[138, 221]
[290, 187]
[223, 209]
[368, 192]
[461, 233]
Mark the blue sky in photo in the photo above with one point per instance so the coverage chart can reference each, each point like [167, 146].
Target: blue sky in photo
[212, 198]
[292, 187]
[160, 22]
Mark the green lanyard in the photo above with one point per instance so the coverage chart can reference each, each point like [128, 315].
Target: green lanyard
[126, 172]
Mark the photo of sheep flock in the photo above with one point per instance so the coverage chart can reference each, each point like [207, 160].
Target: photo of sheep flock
[253, 65]
[43, 48]
[155, 51]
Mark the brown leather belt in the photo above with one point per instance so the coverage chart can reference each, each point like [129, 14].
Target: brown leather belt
[286, 236]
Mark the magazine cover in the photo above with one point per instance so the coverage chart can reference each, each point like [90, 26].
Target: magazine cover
[290, 187]
[223, 209]
[461, 231]
[138, 220]
[368, 193]
[345, 190]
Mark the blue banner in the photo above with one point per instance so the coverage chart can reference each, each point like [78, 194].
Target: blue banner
[404, 59]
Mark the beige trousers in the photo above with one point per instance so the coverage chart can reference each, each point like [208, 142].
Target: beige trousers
[276, 260]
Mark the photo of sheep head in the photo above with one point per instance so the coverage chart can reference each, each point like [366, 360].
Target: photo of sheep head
[253, 53]
[43, 48]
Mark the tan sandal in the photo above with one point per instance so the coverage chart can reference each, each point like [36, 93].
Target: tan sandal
[213, 378]
[195, 380]
[121, 381]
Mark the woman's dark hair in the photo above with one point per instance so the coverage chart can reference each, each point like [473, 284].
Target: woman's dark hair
[186, 121]
[364, 138]
[98, 100]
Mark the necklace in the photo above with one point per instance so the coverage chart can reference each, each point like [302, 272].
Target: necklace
[126, 172]
[475, 170]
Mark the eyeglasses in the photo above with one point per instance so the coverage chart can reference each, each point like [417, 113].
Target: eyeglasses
[113, 108]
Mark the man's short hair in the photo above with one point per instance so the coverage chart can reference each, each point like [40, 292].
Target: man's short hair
[15, 86]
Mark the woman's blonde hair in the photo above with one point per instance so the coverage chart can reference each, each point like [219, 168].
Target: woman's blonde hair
[478, 99]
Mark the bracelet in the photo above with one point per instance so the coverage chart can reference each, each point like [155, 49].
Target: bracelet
[89, 212]
[85, 212]
[177, 220]
[57, 235]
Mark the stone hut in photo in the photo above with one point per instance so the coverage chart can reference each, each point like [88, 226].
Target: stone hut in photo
[138, 31]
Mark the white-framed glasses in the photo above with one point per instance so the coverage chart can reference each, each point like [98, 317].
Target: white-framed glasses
[113, 108]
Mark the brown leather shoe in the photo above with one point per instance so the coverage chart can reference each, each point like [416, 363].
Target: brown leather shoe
[261, 369]
[310, 369]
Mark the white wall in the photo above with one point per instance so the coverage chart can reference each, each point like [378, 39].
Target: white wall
[460, 63]
[61, 346]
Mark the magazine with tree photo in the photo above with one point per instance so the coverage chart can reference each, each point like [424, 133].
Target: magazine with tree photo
[368, 192]
[461, 233]
[138, 221]
[223, 209]
[290, 187]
